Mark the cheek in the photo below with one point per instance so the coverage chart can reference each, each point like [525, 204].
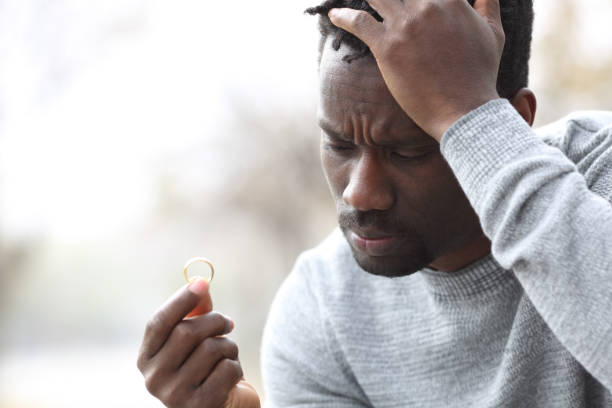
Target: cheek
[335, 174]
[448, 191]
[431, 191]
[450, 211]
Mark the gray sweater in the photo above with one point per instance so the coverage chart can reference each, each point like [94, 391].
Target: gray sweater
[528, 326]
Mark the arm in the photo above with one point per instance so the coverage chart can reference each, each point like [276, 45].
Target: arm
[301, 364]
[545, 223]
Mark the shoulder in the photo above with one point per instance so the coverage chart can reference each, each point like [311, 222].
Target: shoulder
[329, 264]
[317, 272]
[577, 130]
[586, 139]
[326, 285]
[332, 252]
[299, 353]
[327, 290]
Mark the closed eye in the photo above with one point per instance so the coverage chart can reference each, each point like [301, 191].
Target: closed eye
[340, 148]
[336, 144]
[411, 154]
[408, 156]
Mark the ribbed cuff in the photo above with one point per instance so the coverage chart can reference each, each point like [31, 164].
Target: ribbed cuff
[481, 142]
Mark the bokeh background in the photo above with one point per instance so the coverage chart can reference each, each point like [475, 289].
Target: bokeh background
[136, 134]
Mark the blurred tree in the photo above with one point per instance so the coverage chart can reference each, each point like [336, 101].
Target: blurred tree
[252, 199]
[13, 257]
[283, 186]
[267, 170]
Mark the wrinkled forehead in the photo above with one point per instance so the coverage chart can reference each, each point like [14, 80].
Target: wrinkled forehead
[361, 74]
[331, 58]
[356, 88]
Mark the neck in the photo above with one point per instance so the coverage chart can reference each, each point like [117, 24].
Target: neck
[463, 256]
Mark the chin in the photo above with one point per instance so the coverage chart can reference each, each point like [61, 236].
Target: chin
[391, 266]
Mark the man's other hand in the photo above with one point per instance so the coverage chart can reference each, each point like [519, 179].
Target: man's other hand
[185, 358]
[439, 58]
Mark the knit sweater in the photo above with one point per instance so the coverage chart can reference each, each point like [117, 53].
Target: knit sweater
[528, 326]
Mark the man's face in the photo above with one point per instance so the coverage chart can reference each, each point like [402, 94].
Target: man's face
[399, 205]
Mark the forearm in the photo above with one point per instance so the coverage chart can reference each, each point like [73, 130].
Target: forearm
[545, 225]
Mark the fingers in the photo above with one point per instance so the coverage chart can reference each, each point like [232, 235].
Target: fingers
[490, 10]
[192, 352]
[359, 23]
[243, 395]
[205, 357]
[171, 313]
[180, 391]
[188, 335]
[386, 8]
[215, 390]
[203, 307]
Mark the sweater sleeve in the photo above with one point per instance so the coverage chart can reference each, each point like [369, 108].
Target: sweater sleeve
[547, 223]
[301, 364]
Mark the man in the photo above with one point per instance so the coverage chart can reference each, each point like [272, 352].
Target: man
[509, 232]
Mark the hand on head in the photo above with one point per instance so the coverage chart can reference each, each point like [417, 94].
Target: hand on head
[439, 58]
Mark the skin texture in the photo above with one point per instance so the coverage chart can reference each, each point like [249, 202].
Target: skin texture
[388, 177]
[439, 58]
[399, 204]
[435, 61]
[187, 362]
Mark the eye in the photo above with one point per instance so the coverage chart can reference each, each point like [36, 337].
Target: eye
[340, 147]
[410, 155]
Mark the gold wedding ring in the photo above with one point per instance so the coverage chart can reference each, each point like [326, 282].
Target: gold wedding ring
[194, 260]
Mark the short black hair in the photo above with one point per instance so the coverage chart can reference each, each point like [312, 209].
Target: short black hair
[517, 20]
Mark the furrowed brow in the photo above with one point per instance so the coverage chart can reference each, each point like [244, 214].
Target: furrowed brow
[416, 141]
[331, 132]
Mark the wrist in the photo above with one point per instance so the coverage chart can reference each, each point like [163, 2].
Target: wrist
[444, 117]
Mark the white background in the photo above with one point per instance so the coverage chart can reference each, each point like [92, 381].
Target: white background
[115, 122]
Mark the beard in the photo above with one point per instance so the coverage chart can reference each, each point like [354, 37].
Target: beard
[411, 257]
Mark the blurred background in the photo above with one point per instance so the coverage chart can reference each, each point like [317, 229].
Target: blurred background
[136, 134]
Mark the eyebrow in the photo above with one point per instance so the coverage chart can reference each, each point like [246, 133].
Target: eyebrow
[398, 141]
[332, 133]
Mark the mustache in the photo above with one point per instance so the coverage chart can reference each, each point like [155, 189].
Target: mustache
[380, 220]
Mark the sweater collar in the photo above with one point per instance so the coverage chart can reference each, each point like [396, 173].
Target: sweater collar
[482, 278]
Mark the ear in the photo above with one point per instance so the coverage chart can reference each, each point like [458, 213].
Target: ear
[525, 104]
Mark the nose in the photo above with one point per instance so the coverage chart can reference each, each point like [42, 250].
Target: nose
[369, 187]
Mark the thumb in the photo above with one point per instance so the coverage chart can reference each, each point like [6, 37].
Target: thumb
[490, 11]
[243, 395]
[357, 22]
[201, 287]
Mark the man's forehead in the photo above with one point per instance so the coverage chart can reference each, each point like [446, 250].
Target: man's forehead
[332, 64]
[357, 87]
[356, 83]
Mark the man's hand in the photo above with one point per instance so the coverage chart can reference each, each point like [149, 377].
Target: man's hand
[188, 362]
[439, 58]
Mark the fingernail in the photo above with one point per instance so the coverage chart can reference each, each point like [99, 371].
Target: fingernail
[198, 286]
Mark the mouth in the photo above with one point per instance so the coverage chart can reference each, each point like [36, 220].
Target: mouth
[375, 243]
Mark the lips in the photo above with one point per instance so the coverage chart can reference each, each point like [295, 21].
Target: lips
[375, 243]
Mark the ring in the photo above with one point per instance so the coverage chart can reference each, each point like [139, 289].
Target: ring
[198, 259]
